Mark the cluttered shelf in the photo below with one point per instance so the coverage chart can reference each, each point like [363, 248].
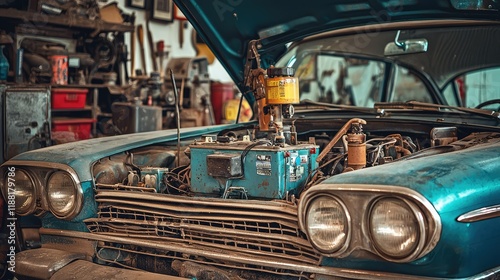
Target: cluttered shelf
[38, 19]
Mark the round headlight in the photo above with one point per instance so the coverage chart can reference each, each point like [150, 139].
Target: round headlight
[62, 194]
[396, 228]
[21, 185]
[327, 224]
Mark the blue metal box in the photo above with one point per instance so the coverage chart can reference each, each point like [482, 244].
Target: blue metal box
[218, 169]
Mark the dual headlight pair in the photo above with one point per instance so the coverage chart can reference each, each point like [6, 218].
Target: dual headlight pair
[62, 193]
[395, 227]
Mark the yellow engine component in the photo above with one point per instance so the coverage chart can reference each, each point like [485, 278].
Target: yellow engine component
[281, 86]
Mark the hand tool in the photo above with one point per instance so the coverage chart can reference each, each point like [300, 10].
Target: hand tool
[132, 53]
[160, 52]
[152, 52]
[140, 36]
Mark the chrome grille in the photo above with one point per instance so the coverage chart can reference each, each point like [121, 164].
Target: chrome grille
[254, 229]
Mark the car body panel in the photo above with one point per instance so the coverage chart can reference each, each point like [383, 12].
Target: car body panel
[81, 155]
[453, 179]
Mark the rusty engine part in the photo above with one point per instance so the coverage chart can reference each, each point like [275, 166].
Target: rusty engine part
[356, 152]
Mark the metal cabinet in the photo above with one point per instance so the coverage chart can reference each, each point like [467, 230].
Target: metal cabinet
[25, 119]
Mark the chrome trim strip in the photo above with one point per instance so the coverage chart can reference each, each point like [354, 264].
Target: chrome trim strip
[376, 190]
[59, 166]
[480, 214]
[270, 262]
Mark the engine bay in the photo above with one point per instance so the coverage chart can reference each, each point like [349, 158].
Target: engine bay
[245, 164]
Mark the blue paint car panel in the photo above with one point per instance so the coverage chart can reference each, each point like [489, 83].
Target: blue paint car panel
[455, 184]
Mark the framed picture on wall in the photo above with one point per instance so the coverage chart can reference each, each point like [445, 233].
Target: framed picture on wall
[139, 4]
[163, 10]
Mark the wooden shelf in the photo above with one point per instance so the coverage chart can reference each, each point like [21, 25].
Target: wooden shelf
[38, 19]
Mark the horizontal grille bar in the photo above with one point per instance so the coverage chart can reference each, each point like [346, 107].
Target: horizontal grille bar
[258, 228]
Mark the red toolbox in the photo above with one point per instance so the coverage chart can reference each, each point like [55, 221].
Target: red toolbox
[68, 98]
[66, 130]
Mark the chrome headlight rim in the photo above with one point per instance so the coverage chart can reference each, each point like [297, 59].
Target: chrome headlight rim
[422, 233]
[340, 249]
[32, 205]
[78, 200]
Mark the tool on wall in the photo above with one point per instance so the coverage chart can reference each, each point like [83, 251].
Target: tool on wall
[140, 36]
[132, 53]
[160, 52]
[182, 26]
[151, 44]
[122, 56]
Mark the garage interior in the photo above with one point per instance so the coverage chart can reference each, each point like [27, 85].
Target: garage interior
[74, 70]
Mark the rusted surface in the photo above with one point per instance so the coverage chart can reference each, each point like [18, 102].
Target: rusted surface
[84, 270]
[337, 137]
[356, 158]
[202, 272]
[73, 245]
[42, 263]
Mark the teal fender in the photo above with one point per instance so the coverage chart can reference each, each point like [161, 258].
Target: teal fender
[454, 183]
[80, 156]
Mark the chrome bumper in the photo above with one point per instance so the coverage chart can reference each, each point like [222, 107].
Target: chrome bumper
[321, 273]
[45, 263]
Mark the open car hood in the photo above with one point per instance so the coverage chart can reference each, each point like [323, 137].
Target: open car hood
[227, 26]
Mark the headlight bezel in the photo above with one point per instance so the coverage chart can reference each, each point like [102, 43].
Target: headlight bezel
[338, 250]
[34, 194]
[421, 232]
[77, 200]
[358, 199]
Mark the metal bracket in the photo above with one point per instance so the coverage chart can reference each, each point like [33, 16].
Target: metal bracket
[254, 74]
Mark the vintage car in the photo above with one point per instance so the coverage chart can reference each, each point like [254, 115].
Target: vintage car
[374, 154]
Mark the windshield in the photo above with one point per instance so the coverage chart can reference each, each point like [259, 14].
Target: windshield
[350, 80]
[334, 77]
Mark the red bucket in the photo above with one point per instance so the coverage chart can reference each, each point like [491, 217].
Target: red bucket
[220, 93]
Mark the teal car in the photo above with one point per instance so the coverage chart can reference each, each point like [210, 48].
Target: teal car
[374, 153]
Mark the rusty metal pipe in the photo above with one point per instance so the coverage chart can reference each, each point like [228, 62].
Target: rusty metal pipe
[337, 137]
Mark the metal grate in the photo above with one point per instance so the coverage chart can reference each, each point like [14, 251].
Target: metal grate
[254, 229]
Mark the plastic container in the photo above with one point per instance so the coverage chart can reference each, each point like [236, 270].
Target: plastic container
[71, 129]
[4, 65]
[135, 117]
[68, 98]
[220, 93]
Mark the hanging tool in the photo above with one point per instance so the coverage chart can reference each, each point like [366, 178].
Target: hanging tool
[132, 53]
[140, 36]
[120, 67]
[160, 52]
[151, 47]
[182, 26]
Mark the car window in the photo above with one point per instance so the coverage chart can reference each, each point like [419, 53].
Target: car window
[476, 88]
[332, 78]
[409, 87]
[451, 94]
[339, 80]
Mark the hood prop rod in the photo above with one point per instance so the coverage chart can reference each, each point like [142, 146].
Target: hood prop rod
[177, 116]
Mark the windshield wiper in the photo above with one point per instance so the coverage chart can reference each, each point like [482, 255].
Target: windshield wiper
[416, 105]
[309, 104]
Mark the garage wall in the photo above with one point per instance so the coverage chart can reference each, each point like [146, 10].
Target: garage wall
[169, 33]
